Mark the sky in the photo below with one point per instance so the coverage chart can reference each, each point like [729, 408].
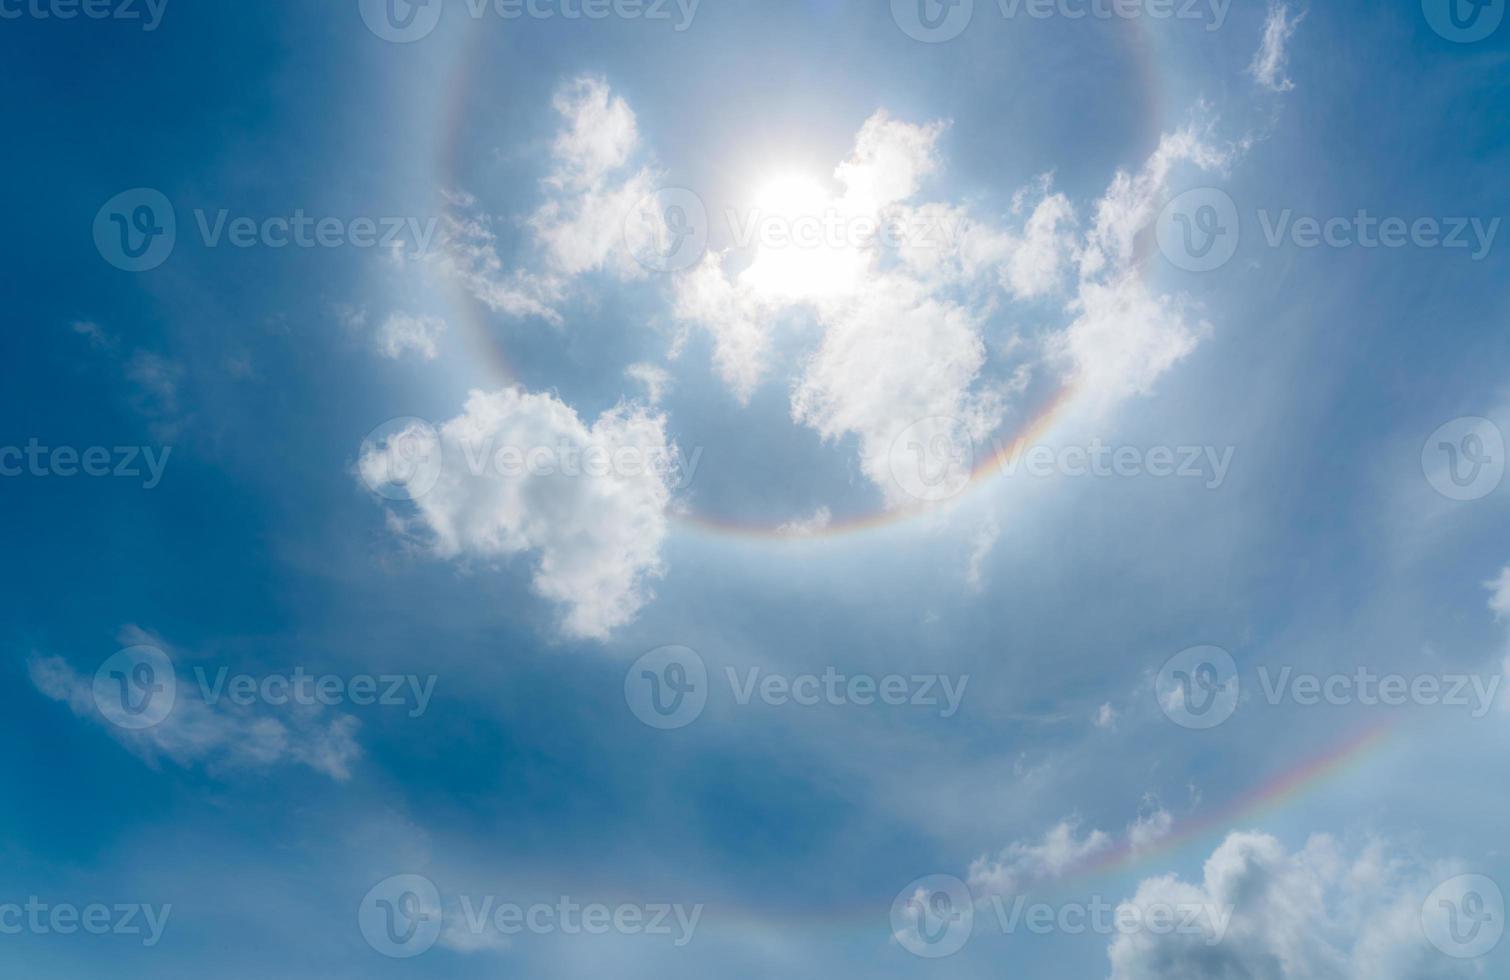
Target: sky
[928, 488]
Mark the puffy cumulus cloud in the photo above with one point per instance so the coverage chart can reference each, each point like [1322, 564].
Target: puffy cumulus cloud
[403, 332]
[222, 736]
[1065, 849]
[1317, 914]
[590, 192]
[1272, 58]
[901, 295]
[1124, 336]
[889, 162]
[889, 362]
[522, 473]
[581, 224]
[1022, 864]
[599, 135]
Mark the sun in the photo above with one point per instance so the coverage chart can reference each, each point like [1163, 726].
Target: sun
[806, 241]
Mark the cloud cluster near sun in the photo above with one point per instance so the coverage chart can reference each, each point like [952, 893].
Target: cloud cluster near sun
[914, 325]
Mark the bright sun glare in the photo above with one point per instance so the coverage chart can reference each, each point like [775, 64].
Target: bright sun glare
[805, 249]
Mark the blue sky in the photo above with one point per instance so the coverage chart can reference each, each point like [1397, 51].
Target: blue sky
[802, 477]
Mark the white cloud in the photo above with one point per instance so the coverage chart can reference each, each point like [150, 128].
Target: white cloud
[655, 378]
[404, 332]
[600, 133]
[470, 259]
[985, 540]
[889, 359]
[581, 225]
[1023, 864]
[1318, 914]
[97, 337]
[902, 328]
[1499, 599]
[221, 737]
[806, 527]
[1106, 716]
[1152, 826]
[1272, 58]
[597, 538]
